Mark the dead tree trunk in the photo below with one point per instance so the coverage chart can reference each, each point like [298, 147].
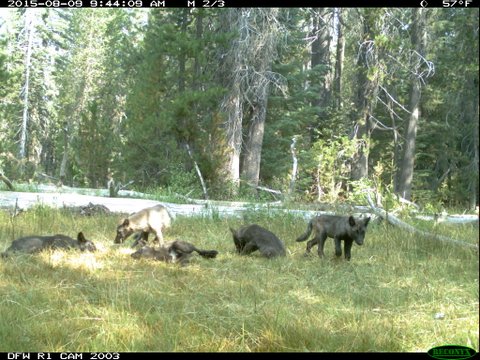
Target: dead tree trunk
[248, 70]
[320, 57]
[419, 42]
[367, 87]
[29, 27]
[339, 59]
[293, 150]
[253, 146]
[199, 173]
[7, 182]
[232, 105]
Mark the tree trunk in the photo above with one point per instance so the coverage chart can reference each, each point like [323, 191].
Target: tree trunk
[198, 37]
[7, 181]
[406, 170]
[234, 108]
[182, 59]
[339, 59]
[293, 150]
[29, 27]
[199, 173]
[63, 165]
[232, 104]
[321, 55]
[248, 68]
[264, 50]
[253, 148]
[365, 94]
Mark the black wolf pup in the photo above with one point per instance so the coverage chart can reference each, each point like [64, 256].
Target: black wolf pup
[345, 228]
[250, 238]
[174, 251]
[150, 220]
[33, 244]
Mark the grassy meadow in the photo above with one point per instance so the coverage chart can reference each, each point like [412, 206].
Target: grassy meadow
[385, 299]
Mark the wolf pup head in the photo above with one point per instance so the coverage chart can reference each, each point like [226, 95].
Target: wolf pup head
[357, 229]
[124, 230]
[85, 244]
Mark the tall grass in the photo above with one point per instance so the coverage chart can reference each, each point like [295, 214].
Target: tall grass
[384, 299]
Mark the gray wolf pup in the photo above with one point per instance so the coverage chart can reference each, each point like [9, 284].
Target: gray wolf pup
[150, 220]
[33, 244]
[250, 238]
[174, 251]
[345, 228]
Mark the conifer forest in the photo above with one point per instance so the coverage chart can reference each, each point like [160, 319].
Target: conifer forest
[315, 104]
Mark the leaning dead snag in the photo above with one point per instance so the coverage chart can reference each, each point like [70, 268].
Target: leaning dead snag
[7, 182]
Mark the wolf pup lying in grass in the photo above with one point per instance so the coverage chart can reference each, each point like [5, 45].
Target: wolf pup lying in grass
[150, 220]
[174, 251]
[250, 238]
[345, 228]
[33, 244]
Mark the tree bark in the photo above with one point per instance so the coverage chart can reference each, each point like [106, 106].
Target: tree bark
[29, 27]
[199, 173]
[253, 146]
[339, 59]
[365, 94]
[406, 169]
[198, 37]
[63, 165]
[407, 166]
[234, 108]
[7, 182]
[321, 55]
[248, 69]
[261, 57]
[232, 104]
[293, 150]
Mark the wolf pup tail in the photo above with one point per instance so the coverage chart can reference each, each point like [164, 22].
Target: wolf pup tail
[307, 233]
[209, 254]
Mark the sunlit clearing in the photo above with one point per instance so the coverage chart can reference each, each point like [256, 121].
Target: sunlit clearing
[126, 251]
[57, 258]
[84, 260]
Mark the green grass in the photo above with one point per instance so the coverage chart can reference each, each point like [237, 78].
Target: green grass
[384, 299]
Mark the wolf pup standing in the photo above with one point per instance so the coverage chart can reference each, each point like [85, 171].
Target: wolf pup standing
[33, 244]
[250, 238]
[154, 220]
[175, 251]
[345, 228]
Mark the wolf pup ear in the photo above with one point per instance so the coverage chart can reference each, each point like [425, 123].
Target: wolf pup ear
[351, 220]
[81, 237]
[366, 221]
[126, 222]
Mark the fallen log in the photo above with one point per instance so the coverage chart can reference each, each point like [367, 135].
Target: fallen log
[450, 219]
[397, 222]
